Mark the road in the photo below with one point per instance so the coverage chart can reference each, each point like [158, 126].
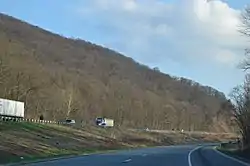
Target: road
[187, 155]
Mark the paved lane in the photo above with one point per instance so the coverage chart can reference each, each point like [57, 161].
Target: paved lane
[159, 156]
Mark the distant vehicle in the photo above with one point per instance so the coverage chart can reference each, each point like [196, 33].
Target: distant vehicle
[104, 122]
[11, 108]
[68, 122]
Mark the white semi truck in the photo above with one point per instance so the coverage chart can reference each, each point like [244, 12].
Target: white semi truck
[104, 122]
[11, 108]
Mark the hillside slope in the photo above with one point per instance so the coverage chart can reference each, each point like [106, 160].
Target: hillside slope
[59, 77]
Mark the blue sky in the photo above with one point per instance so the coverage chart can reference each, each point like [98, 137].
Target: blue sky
[193, 39]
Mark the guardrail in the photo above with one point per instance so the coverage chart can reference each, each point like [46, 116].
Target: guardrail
[13, 119]
[234, 144]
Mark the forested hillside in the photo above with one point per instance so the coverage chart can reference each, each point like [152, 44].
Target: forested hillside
[59, 77]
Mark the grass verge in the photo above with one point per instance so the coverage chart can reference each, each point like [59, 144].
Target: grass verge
[30, 142]
[59, 155]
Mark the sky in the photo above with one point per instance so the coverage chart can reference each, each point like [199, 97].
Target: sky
[196, 39]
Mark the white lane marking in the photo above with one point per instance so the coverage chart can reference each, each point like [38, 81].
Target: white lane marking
[126, 161]
[224, 155]
[190, 153]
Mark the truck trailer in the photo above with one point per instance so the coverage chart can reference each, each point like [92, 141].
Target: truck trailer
[11, 108]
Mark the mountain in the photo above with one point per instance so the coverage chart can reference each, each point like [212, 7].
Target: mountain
[59, 77]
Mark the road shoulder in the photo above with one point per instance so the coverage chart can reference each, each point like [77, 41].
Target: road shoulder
[232, 157]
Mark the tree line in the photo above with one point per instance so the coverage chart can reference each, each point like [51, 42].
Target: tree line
[240, 95]
[60, 78]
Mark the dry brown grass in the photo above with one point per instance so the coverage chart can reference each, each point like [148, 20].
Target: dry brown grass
[37, 140]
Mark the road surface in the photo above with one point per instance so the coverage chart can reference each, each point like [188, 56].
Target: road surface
[188, 155]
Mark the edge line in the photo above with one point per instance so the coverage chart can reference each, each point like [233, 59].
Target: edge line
[190, 153]
[232, 158]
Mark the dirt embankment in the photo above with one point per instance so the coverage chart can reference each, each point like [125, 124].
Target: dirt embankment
[29, 141]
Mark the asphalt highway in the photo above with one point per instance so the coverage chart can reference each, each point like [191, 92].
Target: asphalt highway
[187, 155]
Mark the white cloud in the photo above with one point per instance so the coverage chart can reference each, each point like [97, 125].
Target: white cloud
[186, 31]
[226, 57]
[193, 24]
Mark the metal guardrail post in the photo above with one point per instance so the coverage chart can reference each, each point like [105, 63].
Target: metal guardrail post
[10, 119]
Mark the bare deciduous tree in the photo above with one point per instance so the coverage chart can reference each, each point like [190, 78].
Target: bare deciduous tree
[77, 79]
[241, 94]
[245, 31]
[241, 97]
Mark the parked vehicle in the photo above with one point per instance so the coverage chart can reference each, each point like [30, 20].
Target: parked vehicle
[11, 108]
[104, 122]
